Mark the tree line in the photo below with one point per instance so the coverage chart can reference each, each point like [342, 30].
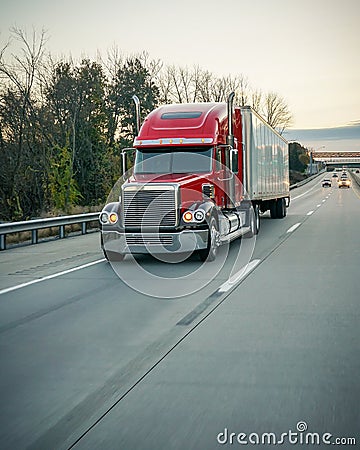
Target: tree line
[63, 123]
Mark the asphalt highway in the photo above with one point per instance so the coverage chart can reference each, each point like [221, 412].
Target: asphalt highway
[262, 345]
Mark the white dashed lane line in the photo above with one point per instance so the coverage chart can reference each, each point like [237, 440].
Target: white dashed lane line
[293, 228]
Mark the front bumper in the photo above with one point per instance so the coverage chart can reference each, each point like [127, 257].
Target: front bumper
[154, 243]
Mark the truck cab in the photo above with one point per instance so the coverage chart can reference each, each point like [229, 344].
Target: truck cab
[185, 192]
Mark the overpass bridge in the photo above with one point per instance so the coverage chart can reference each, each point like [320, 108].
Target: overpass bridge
[347, 158]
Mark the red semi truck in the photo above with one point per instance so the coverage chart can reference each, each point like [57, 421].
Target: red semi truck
[203, 172]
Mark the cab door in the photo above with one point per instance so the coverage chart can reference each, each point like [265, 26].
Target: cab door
[227, 159]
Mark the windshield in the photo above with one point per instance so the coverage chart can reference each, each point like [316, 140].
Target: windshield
[173, 160]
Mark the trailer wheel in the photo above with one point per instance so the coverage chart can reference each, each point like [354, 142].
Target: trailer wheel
[280, 208]
[273, 209]
[254, 221]
[209, 254]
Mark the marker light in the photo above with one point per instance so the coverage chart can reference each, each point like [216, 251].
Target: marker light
[113, 218]
[188, 216]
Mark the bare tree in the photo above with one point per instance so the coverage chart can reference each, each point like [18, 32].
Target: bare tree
[256, 100]
[164, 82]
[20, 122]
[114, 61]
[204, 88]
[276, 112]
[242, 90]
[179, 82]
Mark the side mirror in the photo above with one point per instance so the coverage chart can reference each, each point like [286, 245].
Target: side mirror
[124, 159]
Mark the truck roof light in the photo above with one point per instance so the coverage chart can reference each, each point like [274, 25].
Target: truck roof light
[174, 141]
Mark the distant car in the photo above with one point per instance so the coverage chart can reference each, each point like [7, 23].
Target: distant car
[335, 175]
[344, 183]
[357, 171]
[326, 182]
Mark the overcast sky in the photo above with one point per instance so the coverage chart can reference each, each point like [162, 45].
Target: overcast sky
[308, 51]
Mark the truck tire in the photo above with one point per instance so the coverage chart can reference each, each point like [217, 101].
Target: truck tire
[209, 254]
[254, 222]
[280, 208]
[273, 209]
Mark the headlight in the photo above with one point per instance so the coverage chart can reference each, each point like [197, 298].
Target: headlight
[104, 218]
[194, 216]
[199, 215]
[188, 216]
[113, 218]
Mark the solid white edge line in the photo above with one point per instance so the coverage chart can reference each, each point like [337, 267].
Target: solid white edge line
[239, 275]
[293, 228]
[49, 277]
[309, 213]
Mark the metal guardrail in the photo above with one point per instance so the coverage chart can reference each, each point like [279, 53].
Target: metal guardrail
[37, 224]
[306, 180]
[355, 177]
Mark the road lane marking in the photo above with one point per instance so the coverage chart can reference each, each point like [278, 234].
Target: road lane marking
[301, 195]
[318, 206]
[49, 277]
[324, 200]
[293, 228]
[239, 275]
[309, 213]
[218, 295]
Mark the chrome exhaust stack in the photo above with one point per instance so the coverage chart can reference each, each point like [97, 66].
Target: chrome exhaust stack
[230, 137]
[137, 111]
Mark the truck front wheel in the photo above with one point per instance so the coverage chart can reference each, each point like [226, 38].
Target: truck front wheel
[210, 252]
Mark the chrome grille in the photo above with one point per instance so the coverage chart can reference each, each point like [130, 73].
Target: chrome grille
[145, 206]
[149, 240]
